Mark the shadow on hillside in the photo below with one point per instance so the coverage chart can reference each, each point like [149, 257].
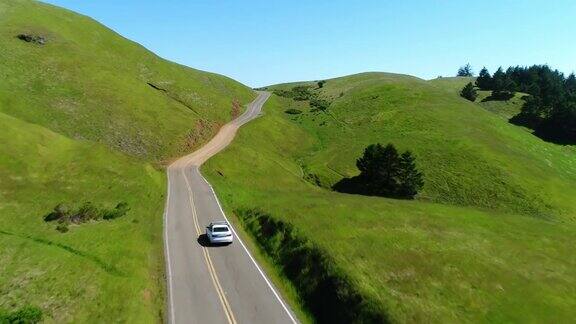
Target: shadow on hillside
[543, 129]
[526, 121]
[353, 185]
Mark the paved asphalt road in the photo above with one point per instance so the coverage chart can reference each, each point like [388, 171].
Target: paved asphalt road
[212, 284]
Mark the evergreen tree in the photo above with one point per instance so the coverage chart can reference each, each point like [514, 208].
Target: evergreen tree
[378, 168]
[498, 80]
[532, 89]
[532, 107]
[383, 172]
[465, 71]
[484, 80]
[410, 180]
[469, 92]
[571, 82]
[503, 87]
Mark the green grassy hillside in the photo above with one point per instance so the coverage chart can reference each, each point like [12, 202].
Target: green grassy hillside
[504, 108]
[89, 116]
[90, 83]
[97, 272]
[488, 239]
[470, 156]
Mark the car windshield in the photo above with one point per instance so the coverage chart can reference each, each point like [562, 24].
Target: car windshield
[220, 229]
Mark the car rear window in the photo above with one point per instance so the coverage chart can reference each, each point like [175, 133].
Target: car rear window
[220, 229]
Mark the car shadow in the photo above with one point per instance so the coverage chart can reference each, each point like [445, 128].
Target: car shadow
[205, 242]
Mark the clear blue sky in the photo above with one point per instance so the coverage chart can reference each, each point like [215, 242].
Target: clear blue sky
[310, 40]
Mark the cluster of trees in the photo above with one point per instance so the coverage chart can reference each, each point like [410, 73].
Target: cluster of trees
[384, 172]
[551, 107]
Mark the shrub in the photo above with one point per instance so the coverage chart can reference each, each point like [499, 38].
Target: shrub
[62, 228]
[283, 93]
[313, 179]
[59, 212]
[301, 93]
[25, 315]
[87, 212]
[120, 210]
[40, 40]
[293, 111]
[319, 104]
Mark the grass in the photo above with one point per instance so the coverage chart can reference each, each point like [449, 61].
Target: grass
[88, 82]
[91, 117]
[505, 109]
[489, 238]
[100, 272]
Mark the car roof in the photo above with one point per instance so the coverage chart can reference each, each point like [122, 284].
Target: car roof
[219, 223]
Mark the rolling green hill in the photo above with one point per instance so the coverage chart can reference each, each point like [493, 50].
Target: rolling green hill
[488, 239]
[100, 272]
[89, 83]
[504, 108]
[89, 116]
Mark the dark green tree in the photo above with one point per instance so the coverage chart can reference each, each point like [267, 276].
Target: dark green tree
[379, 168]
[383, 172]
[532, 89]
[410, 180]
[498, 80]
[503, 85]
[532, 107]
[484, 80]
[469, 92]
[571, 85]
[465, 71]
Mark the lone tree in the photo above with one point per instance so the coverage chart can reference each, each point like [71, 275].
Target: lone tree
[383, 172]
[465, 71]
[484, 80]
[469, 92]
[379, 169]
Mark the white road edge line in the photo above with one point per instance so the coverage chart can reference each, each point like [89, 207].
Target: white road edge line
[246, 249]
[167, 247]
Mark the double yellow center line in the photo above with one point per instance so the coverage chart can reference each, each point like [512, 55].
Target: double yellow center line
[209, 264]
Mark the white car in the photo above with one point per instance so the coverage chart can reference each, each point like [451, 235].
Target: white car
[219, 232]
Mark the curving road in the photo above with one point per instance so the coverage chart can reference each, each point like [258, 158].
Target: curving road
[212, 284]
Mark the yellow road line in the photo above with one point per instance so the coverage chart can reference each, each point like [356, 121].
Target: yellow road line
[209, 264]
